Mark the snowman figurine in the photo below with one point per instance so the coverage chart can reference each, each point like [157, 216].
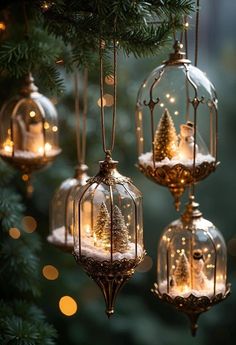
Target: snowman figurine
[186, 144]
[199, 277]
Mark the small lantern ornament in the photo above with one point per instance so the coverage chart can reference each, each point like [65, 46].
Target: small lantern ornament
[62, 205]
[29, 130]
[191, 271]
[61, 235]
[108, 230]
[176, 108]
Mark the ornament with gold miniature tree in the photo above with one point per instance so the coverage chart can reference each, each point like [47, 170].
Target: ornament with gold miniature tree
[120, 235]
[166, 139]
[102, 222]
[181, 274]
[108, 228]
[29, 131]
[184, 279]
[61, 213]
[190, 99]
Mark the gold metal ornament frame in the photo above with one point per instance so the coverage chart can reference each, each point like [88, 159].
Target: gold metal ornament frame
[177, 177]
[192, 305]
[110, 275]
[28, 165]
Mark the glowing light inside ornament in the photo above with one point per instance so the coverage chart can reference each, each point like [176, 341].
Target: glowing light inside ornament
[50, 272]
[68, 305]
[47, 148]
[46, 125]
[32, 113]
[8, 146]
[14, 233]
[54, 128]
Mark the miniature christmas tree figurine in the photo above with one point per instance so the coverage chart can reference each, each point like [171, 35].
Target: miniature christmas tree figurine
[186, 144]
[120, 234]
[166, 139]
[199, 277]
[182, 272]
[102, 222]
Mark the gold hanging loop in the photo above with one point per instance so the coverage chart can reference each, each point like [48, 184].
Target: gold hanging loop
[108, 150]
[197, 32]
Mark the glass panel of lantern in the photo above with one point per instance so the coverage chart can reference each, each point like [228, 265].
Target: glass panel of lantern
[192, 261]
[191, 264]
[176, 123]
[108, 222]
[61, 213]
[108, 230]
[29, 129]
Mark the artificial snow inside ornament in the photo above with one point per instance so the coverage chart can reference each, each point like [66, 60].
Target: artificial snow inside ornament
[29, 131]
[61, 235]
[191, 271]
[176, 98]
[108, 230]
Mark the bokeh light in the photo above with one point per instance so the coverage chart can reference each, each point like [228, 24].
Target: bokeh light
[50, 272]
[103, 103]
[68, 306]
[109, 79]
[2, 26]
[29, 224]
[109, 99]
[14, 233]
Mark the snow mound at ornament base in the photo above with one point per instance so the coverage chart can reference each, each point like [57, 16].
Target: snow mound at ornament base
[208, 291]
[21, 154]
[146, 160]
[58, 237]
[97, 253]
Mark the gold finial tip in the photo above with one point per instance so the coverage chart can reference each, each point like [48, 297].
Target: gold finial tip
[109, 313]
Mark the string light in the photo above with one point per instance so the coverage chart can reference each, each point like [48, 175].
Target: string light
[68, 306]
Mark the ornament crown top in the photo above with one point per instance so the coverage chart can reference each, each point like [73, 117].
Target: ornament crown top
[178, 56]
[108, 173]
[191, 212]
[28, 86]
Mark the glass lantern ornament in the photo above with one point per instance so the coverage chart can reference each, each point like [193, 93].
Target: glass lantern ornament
[176, 125]
[191, 265]
[108, 230]
[61, 214]
[29, 130]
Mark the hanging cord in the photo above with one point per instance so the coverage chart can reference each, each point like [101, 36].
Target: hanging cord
[26, 21]
[186, 35]
[108, 150]
[81, 139]
[196, 32]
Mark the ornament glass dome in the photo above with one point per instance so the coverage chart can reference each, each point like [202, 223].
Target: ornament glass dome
[191, 269]
[61, 215]
[108, 229]
[29, 130]
[176, 125]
